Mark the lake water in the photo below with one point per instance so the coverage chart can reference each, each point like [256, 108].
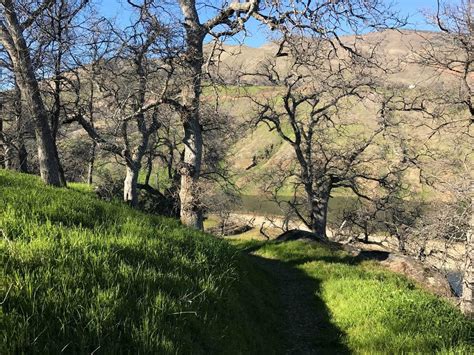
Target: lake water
[262, 206]
[455, 280]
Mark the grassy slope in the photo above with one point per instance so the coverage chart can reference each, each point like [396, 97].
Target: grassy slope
[374, 310]
[79, 274]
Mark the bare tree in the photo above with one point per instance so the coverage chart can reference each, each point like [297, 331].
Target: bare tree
[220, 131]
[57, 32]
[451, 53]
[85, 68]
[14, 131]
[227, 20]
[311, 111]
[13, 26]
[135, 82]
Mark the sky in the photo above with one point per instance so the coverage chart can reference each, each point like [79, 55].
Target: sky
[258, 36]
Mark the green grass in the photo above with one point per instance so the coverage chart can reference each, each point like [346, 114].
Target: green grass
[81, 187]
[377, 311]
[79, 275]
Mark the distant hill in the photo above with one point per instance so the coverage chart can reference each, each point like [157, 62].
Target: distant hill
[261, 149]
[395, 46]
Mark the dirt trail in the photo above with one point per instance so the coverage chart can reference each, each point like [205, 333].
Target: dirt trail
[308, 329]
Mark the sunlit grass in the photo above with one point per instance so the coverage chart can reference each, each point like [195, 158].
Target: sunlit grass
[377, 310]
[79, 275]
[81, 187]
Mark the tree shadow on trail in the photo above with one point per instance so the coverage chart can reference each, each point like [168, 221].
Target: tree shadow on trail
[308, 327]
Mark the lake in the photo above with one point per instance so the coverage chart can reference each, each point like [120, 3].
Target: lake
[262, 206]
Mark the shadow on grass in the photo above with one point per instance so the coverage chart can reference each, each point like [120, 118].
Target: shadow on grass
[411, 321]
[308, 327]
[364, 255]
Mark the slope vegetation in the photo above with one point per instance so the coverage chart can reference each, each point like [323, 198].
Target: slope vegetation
[336, 303]
[79, 275]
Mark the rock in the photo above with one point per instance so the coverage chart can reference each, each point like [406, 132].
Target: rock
[414, 270]
[297, 234]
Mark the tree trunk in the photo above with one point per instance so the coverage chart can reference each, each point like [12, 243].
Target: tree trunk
[62, 175]
[22, 157]
[3, 146]
[130, 190]
[47, 158]
[191, 210]
[134, 164]
[468, 279]
[90, 169]
[468, 282]
[22, 152]
[319, 202]
[172, 193]
[15, 44]
[149, 167]
[8, 158]
[56, 114]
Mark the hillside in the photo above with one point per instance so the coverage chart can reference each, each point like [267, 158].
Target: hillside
[261, 150]
[79, 275]
[395, 47]
[258, 143]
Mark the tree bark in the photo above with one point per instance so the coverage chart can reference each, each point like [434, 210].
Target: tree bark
[468, 279]
[149, 167]
[3, 146]
[22, 152]
[134, 164]
[22, 157]
[191, 208]
[191, 211]
[14, 42]
[8, 158]
[56, 114]
[90, 168]
[130, 189]
[319, 202]
[90, 108]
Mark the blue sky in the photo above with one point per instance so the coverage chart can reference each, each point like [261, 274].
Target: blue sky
[258, 36]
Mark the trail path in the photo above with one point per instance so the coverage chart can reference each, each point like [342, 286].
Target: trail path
[307, 319]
